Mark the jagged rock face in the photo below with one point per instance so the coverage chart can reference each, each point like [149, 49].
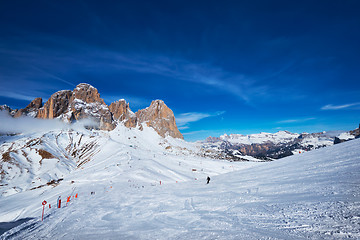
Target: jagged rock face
[31, 110]
[161, 118]
[56, 105]
[157, 116]
[121, 111]
[86, 93]
[85, 102]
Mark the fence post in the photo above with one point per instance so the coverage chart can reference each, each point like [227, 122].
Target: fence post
[42, 216]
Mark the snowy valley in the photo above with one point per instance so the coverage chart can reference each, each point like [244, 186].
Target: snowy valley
[311, 195]
[126, 175]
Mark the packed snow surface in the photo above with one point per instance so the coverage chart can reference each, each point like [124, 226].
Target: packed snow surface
[313, 195]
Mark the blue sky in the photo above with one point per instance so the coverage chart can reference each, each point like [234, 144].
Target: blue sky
[221, 66]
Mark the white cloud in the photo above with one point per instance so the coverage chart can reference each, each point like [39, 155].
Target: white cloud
[195, 132]
[53, 76]
[296, 120]
[180, 69]
[15, 95]
[31, 125]
[337, 107]
[186, 118]
[93, 59]
[183, 120]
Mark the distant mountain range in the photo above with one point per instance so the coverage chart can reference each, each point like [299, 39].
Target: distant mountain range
[137, 159]
[41, 158]
[269, 146]
[84, 102]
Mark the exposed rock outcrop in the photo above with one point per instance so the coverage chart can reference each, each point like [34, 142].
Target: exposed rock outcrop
[161, 118]
[346, 136]
[86, 93]
[30, 110]
[121, 112]
[56, 105]
[356, 132]
[83, 102]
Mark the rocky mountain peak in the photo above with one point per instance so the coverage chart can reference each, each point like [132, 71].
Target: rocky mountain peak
[86, 93]
[161, 118]
[31, 109]
[56, 105]
[121, 112]
[119, 109]
[85, 102]
[35, 104]
[158, 109]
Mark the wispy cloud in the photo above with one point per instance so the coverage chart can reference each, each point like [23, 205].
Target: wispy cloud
[195, 132]
[17, 95]
[183, 120]
[338, 107]
[236, 84]
[48, 63]
[50, 75]
[299, 120]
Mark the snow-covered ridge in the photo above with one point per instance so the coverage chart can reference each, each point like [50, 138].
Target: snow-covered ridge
[33, 160]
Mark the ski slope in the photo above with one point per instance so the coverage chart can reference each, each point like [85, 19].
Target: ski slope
[82, 158]
[314, 195]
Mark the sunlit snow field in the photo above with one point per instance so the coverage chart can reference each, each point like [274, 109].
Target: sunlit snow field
[314, 195]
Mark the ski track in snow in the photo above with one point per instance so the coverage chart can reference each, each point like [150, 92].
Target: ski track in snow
[315, 195]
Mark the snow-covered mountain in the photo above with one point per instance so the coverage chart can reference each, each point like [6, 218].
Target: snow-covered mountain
[35, 160]
[314, 195]
[134, 177]
[84, 102]
[268, 146]
[279, 137]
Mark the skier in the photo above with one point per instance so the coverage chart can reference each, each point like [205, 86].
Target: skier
[208, 180]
